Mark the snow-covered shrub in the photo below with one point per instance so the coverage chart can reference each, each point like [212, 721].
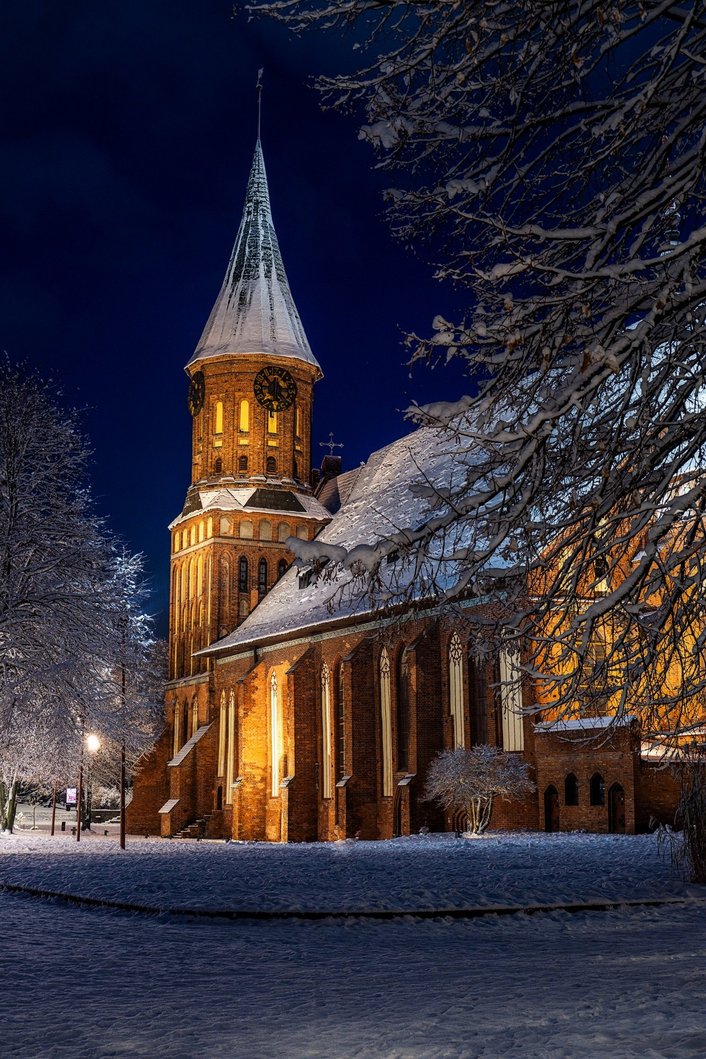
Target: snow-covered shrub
[469, 781]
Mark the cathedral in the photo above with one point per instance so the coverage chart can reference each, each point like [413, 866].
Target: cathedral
[294, 711]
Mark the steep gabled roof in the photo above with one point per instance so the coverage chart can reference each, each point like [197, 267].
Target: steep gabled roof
[255, 311]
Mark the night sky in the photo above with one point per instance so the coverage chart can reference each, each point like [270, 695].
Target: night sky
[127, 137]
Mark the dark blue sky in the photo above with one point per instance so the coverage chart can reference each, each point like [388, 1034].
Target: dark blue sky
[127, 135]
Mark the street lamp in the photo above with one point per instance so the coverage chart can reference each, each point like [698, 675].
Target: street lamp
[92, 744]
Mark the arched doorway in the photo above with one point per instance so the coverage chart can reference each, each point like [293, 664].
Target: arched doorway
[616, 810]
[551, 809]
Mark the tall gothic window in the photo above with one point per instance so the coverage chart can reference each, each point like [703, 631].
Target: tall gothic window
[222, 736]
[297, 421]
[325, 732]
[244, 417]
[403, 678]
[456, 691]
[218, 424]
[262, 577]
[511, 699]
[339, 720]
[275, 739]
[271, 422]
[230, 749]
[243, 574]
[386, 723]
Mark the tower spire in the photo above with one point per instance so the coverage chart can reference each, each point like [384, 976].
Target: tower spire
[258, 86]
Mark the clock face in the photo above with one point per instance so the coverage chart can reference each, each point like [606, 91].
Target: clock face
[197, 392]
[275, 389]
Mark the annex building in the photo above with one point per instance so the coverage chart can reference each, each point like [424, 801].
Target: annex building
[294, 710]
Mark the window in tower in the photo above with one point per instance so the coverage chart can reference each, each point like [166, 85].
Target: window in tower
[262, 578]
[218, 466]
[246, 528]
[243, 574]
[243, 608]
[271, 422]
[284, 530]
[295, 470]
[200, 532]
[242, 463]
[302, 533]
[192, 536]
[265, 530]
[244, 417]
[218, 424]
[298, 423]
[271, 466]
[281, 568]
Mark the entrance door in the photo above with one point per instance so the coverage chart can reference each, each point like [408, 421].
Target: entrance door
[616, 809]
[551, 809]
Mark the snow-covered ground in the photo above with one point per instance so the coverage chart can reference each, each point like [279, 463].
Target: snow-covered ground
[629, 982]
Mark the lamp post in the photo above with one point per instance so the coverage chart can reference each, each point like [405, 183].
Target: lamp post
[92, 744]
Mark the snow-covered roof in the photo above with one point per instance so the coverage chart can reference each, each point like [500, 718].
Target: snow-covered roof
[384, 498]
[262, 499]
[583, 724]
[254, 311]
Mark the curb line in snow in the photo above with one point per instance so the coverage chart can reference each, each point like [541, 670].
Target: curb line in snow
[372, 913]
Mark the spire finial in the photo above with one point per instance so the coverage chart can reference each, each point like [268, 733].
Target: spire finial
[258, 86]
[331, 444]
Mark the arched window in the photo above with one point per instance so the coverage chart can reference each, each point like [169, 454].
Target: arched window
[244, 417]
[218, 466]
[281, 568]
[271, 422]
[340, 723]
[199, 575]
[242, 463]
[302, 533]
[403, 678]
[271, 465]
[225, 526]
[200, 532]
[175, 543]
[597, 789]
[571, 790]
[243, 574]
[456, 691]
[218, 424]
[325, 732]
[230, 749]
[511, 698]
[192, 535]
[246, 528]
[265, 530]
[386, 723]
[283, 531]
[262, 578]
[275, 741]
[177, 729]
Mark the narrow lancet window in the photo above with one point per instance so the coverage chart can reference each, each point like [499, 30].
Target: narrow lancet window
[456, 703]
[386, 724]
[326, 731]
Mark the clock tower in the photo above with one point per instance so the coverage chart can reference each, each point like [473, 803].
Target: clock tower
[250, 398]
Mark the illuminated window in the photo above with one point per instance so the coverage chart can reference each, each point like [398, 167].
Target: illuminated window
[386, 724]
[340, 723]
[246, 528]
[244, 417]
[271, 422]
[325, 732]
[242, 463]
[271, 466]
[265, 530]
[230, 753]
[218, 421]
[262, 577]
[200, 532]
[175, 545]
[193, 535]
[222, 736]
[283, 531]
[456, 690]
[511, 699]
[275, 752]
[298, 422]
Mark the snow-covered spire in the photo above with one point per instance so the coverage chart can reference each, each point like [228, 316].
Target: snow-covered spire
[255, 311]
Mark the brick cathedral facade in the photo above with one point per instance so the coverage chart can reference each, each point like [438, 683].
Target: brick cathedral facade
[292, 711]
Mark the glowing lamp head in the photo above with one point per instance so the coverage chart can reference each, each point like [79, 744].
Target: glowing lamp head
[93, 743]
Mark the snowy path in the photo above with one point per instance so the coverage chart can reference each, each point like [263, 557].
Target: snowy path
[94, 984]
[618, 984]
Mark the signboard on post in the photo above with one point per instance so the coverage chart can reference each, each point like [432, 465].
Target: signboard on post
[70, 796]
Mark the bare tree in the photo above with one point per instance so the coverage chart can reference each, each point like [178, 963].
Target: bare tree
[469, 781]
[550, 162]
